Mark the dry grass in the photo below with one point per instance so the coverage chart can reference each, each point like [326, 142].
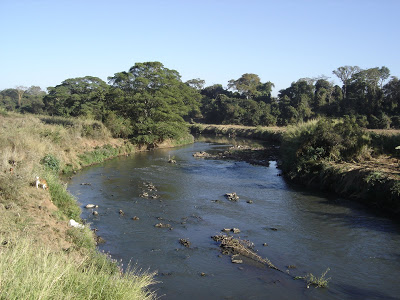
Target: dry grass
[33, 222]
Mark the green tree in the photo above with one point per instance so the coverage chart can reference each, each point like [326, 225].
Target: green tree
[344, 74]
[247, 85]
[155, 99]
[82, 96]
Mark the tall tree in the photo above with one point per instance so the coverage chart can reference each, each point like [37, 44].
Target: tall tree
[344, 74]
[82, 96]
[246, 85]
[20, 92]
[155, 99]
[196, 83]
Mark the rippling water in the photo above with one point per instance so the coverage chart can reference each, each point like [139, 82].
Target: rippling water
[314, 231]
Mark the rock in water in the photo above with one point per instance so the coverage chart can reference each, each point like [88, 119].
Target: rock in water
[232, 196]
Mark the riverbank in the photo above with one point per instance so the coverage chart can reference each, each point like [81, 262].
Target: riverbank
[268, 134]
[370, 175]
[34, 230]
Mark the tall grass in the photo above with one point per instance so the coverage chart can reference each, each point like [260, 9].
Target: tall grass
[28, 271]
[34, 266]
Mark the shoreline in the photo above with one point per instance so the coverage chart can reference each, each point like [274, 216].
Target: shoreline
[368, 182]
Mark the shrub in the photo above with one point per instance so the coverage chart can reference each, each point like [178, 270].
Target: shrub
[51, 162]
[304, 146]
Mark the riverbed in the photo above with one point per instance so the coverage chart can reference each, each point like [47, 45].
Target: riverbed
[299, 231]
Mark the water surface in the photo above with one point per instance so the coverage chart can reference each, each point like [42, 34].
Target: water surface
[314, 231]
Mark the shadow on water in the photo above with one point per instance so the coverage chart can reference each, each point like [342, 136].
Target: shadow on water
[361, 293]
[355, 214]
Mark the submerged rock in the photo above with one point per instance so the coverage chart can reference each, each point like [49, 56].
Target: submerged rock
[201, 154]
[235, 230]
[185, 242]
[161, 225]
[232, 196]
[91, 206]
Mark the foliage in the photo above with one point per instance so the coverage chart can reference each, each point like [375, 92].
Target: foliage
[98, 155]
[155, 100]
[65, 202]
[82, 96]
[311, 279]
[306, 145]
[51, 162]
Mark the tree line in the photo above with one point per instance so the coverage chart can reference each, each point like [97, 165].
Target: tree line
[150, 103]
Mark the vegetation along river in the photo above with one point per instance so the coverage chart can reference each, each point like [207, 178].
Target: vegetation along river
[299, 231]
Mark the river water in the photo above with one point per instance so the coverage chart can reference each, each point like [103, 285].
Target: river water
[307, 231]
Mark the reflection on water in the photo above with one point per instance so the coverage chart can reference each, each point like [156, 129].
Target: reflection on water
[313, 232]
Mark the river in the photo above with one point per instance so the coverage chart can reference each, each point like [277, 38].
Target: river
[299, 231]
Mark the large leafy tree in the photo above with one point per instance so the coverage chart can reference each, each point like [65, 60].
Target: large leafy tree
[295, 102]
[82, 96]
[250, 86]
[154, 99]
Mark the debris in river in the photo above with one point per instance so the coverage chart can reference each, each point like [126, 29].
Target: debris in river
[135, 218]
[236, 261]
[201, 154]
[236, 246]
[95, 213]
[85, 183]
[234, 230]
[99, 240]
[249, 201]
[121, 212]
[91, 206]
[232, 196]
[185, 242]
[161, 225]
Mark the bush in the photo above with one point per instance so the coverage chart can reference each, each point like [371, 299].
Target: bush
[304, 147]
[51, 162]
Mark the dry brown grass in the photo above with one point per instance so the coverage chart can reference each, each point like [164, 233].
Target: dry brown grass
[24, 141]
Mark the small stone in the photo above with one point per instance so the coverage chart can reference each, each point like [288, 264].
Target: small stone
[185, 242]
[95, 213]
[226, 230]
[135, 218]
[249, 201]
[265, 244]
[121, 212]
[203, 274]
[237, 261]
[235, 230]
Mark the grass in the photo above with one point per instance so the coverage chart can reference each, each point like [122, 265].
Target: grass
[321, 282]
[271, 134]
[28, 271]
[40, 257]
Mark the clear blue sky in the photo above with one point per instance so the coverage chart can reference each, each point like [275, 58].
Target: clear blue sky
[44, 42]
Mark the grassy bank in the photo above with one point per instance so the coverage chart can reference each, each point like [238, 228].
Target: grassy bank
[340, 157]
[270, 134]
[40, 256]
